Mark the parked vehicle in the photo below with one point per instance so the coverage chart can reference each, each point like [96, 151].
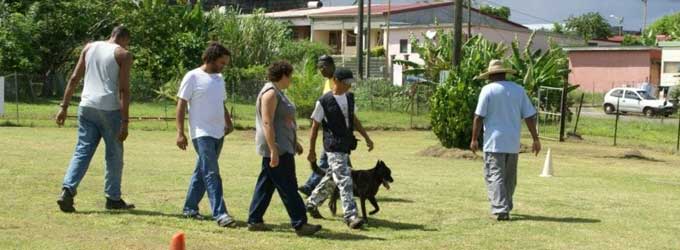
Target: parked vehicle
[632, 100]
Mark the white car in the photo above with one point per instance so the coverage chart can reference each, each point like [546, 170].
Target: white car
[632, 100]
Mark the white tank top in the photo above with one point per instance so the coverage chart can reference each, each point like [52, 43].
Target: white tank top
[100, 90]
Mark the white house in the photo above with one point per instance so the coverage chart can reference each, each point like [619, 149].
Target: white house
[336, 27]
[670, 64]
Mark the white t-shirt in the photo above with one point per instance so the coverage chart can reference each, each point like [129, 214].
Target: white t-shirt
[318, 115]
[205, 95]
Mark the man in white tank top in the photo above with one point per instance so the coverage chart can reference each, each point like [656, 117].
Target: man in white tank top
[102, 114]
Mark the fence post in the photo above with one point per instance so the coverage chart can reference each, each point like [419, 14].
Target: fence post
[578, 113]
[16, 95]
[616, 124]
[677, 144]
[563, 110]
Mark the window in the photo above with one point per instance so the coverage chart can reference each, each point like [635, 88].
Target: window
[403, 46]
[351, 39]
[671, 67]
[617, 93]
[632, 95]
[645, 95]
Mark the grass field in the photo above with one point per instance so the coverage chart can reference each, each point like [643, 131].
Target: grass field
[596, 201]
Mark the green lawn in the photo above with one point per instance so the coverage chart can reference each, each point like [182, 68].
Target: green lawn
[41, 114]
[596, 201]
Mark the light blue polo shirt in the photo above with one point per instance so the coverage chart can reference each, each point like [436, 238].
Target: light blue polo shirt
[503, 105]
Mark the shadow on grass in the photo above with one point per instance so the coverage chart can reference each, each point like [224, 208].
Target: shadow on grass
[132, 212]
[390, 199]
[521, 217]
[380, 223]
[325, 233]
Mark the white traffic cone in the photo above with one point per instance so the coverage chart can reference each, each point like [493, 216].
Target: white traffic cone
[547, 166]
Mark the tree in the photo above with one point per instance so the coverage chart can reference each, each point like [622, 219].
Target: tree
[502, 11]
[589, 26]
[667, 25]
[558, 28]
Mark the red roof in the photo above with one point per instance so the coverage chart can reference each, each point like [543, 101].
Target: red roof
[381, 10]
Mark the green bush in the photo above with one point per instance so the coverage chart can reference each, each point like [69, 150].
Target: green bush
[306, 87]
[378, 51]
[674, 94]
[453, 102]
[296, 52]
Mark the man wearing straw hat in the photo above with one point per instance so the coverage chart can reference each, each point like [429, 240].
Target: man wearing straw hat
[501, 107]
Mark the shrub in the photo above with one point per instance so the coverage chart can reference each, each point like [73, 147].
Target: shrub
[453, 102]
[306, 87]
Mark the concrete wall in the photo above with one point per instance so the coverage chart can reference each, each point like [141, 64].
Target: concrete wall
[599, 71]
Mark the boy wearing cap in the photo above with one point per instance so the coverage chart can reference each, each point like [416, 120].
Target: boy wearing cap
[335, 112]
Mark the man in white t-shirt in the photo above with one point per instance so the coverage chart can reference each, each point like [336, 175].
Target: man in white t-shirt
[501, 108]
[334, 112]
[203, 91]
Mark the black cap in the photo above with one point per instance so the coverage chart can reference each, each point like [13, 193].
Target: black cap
[325, 59]
[344, 75]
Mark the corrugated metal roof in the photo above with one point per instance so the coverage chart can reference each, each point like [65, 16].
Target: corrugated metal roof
[611, 48]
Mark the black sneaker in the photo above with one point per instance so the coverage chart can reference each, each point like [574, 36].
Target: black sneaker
[65, 201]
[304, 190]
[355, 223]
[226, 221]
[258, 227]
[503, 217]
[307, 229]
[314, 212]
[118, 205]
[194, 216]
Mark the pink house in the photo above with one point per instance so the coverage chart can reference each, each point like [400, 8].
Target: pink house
[599, 69]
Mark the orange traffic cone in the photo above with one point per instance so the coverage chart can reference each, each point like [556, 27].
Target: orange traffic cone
[177, 242]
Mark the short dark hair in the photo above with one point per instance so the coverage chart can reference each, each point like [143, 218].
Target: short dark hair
[120, 31]
[277, 70]
[214, 51]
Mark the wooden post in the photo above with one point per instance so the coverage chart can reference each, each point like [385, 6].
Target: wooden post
[578, 113]
[616, 124]
[360, 39]
[368, 42]
[457, 32]
[563, 110]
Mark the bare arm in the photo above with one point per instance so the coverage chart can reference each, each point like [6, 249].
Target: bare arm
[531, 124]
[358, 127]
[476, 128]
[314, 132]
[73, 82]
[227, 122]
[180, 112]
[268, 107]
[124, 59]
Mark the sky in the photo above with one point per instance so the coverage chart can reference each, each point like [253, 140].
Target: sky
[549, 11]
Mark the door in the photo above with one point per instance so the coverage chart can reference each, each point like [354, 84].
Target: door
[631, 102]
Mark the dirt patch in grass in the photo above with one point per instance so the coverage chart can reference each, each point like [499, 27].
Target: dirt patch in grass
[463, 154]
[455, 153]
[633, 155]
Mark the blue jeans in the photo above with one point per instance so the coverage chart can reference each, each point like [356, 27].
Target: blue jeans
[314, 178]
[281, 178]
[206, 177]
[93, 125]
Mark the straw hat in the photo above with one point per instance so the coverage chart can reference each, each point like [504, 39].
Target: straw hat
[495, 67]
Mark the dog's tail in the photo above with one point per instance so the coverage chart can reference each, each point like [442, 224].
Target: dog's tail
[316, 169]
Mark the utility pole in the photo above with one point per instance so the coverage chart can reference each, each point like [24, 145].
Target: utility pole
[457, 31]
[387, 40]
[360, 39]
[644, 17]
[368, 42]
[469, 22]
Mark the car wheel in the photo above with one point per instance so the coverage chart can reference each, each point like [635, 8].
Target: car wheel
[609, 109]
[649, 112]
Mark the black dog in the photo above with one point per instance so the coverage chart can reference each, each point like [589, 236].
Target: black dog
[365, 184]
